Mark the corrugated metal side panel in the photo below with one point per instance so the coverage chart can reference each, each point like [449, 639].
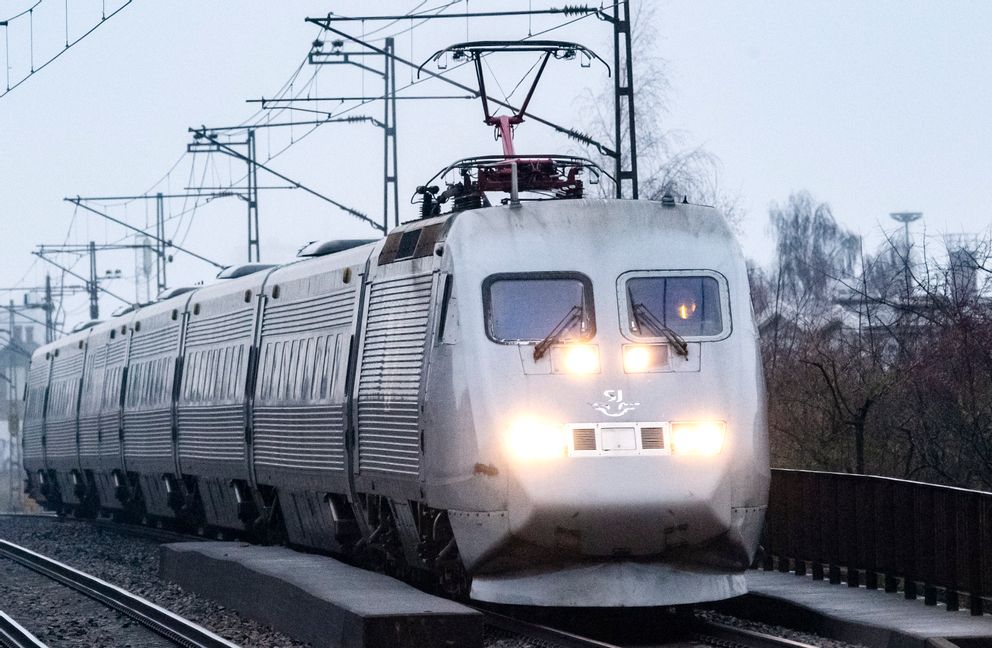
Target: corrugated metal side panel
[211, 426]
[326, 311]
[308, 437]
[60, 417]
[89, 440]
[149, 345]
[389, 437]
[110, 442]
[33, 418]
[109, 432]
[60, 439]
[220, 328]
[117, 352]
[68, 367]
[148, 433]
[38, 374]
[94, 375]
[32, 440]
[391, 369]
[212, 433]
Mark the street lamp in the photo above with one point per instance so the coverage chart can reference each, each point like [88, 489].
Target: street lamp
[906, 218]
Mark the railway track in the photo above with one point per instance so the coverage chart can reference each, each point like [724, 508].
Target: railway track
[161, 621]
[14, 635]
[695, 632]
[542, 635]
[727, 636]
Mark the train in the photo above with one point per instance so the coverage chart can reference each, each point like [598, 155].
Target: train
[547, 399]
[387, 398]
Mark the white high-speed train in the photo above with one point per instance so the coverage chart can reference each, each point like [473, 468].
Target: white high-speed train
[555, 402]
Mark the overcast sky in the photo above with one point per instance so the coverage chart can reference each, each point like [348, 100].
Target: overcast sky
[873, 107]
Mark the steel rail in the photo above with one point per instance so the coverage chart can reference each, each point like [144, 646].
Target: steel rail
[172, 626]
[540, 632]
[145, 532]
[727, 636]
[709, 632]
[14, 635]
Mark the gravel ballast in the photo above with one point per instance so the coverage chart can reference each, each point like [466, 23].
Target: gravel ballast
[60, 616]
[128, 562]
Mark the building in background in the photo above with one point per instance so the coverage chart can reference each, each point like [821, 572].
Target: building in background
[20, 335]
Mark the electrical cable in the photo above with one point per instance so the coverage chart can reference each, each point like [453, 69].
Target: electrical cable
[68, 45]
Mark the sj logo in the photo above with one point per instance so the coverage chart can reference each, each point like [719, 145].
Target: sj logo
[615, 404]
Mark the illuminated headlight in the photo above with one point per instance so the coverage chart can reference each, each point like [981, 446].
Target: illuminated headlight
[698, 437]
[641, 358]
[575, 358]
[533, 439]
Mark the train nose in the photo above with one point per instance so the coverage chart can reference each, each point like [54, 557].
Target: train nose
[620, 505]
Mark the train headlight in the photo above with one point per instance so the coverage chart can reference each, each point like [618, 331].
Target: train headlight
[698, 437]
[641, 358]
[532, 439]
[575, 358]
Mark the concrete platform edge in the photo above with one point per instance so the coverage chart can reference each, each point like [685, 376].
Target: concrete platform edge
[783, 612]
[275, 600]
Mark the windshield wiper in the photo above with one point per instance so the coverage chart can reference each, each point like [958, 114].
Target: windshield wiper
[571, 317]
[644, 318]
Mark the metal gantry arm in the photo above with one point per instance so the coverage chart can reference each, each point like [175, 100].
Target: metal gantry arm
[92, 283]
[254, 247]
[212, 141]
[48, 305]
[390, 162]
[159, 239]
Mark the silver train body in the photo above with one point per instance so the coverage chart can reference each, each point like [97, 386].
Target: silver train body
[494, 397]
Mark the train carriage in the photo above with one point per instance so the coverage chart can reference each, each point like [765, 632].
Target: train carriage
[61, 415]
[153, 363]
[212, 444]
[101, 413]
[299, 409]
[33, 451]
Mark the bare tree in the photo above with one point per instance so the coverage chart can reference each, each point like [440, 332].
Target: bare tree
[667, 162]
[876, 364]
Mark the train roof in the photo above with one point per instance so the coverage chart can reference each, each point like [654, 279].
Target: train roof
[695, 222]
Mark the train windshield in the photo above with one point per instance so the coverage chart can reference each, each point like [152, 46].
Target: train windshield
[688, 305]
[527, 307]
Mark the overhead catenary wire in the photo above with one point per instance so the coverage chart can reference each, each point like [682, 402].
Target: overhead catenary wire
[292, 88]
[259, 117]
[68, 45]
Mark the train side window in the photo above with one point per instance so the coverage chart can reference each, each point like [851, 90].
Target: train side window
[298, 364]
[200, 393]
[442, 314]
[308, 363]
[408, 243]
[526, 307]
[691, 303]
[264, 368]
[280, 370]
[234, 371]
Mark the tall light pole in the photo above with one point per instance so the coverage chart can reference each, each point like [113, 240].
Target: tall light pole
[906, 218]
